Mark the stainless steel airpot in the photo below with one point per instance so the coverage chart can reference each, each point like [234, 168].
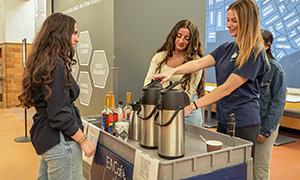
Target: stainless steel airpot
[171, 135]
[149, 107]
[135, 122]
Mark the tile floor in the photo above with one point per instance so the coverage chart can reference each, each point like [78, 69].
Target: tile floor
[18, 161]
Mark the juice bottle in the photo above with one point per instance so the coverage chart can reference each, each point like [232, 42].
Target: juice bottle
[105, 114]
[128, 108]
[114, 111]
[120, 112]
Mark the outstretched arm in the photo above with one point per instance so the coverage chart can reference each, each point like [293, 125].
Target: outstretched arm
[189, 67]
[233, 82]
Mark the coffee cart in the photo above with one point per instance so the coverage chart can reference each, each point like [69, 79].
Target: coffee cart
[115, 159]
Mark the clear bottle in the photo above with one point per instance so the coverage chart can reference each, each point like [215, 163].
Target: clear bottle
[114, 111]
[120, 112]
[128, 108]
[231, 125]
[106, 113]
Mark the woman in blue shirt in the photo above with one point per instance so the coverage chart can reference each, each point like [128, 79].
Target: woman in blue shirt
[240, 66]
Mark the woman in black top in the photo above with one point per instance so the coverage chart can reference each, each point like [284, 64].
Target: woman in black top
[48, 85]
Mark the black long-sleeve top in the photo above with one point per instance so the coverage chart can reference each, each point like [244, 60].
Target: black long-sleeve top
[59, 113]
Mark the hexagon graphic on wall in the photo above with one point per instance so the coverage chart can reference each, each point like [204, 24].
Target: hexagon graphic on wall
[84, 48]
[86, 89]
[99, 68]
[75, 68]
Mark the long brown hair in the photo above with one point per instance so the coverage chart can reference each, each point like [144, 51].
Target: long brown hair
[193, 51]
[249, 38]
[53, 41]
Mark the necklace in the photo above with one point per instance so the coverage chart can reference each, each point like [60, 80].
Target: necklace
[177, 56]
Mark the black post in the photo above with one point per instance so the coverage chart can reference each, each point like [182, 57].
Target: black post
[25, 122]
[24, 138]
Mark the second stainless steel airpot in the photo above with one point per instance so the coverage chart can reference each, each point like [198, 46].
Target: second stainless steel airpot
[171, 131]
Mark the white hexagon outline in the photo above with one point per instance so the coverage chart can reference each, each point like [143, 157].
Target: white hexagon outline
[106, 63]
[89, 99]
[89, 39]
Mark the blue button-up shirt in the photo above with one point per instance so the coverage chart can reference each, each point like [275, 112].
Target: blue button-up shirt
[272, 98]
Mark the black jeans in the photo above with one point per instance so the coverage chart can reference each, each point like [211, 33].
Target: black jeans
[248, 133]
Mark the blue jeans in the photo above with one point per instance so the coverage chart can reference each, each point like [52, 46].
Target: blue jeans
[195, 118]
[63, 161]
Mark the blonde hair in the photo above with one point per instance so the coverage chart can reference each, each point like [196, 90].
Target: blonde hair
[249, 38]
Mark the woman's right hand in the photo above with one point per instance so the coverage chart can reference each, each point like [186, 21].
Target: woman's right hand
[165, 76]
[88, 148]
[188, 109]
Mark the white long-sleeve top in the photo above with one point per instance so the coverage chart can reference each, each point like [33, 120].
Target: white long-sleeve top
[157, 58]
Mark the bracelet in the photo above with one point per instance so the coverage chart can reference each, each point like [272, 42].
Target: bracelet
[82, 140]
[195, 105]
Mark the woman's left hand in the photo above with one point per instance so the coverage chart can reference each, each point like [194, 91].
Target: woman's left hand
[261, 138]
[88, 148]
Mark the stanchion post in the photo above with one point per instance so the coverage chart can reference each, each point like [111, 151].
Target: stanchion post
[24, 138]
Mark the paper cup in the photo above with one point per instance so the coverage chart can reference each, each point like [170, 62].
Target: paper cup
[213, 145]
[122, 130]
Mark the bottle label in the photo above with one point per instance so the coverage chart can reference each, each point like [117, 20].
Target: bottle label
[128, 117]
[110, 124]
[103, 123]
[123, 119]
[114, 121]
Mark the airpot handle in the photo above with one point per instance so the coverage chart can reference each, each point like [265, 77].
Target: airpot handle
[151, 113]
[171, 86]
[171, 118]
[152, 83]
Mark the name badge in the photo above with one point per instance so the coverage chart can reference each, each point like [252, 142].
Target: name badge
[234, 56]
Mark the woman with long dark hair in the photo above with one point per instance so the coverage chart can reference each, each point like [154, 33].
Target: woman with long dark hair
[49, 87]
[182, 45]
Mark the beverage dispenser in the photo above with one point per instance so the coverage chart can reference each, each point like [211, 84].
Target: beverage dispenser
[149, 107]
[135, 122]
[171, 135]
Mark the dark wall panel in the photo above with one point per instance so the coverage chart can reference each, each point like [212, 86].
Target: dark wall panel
[141, 26]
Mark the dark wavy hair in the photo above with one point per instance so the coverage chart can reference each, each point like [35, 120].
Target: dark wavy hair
[53, 41]
[268, 38]
[193, 50]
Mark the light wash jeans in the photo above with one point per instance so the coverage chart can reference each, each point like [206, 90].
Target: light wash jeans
[61, 162]
[195, 118]
[262, 158]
